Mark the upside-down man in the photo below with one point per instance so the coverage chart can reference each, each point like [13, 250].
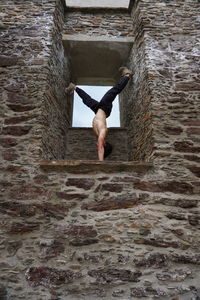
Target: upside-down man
[102, 110]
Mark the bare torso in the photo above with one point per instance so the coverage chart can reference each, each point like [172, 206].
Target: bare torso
[99, 123]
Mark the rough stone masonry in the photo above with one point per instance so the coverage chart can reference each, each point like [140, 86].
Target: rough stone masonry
[90, 234]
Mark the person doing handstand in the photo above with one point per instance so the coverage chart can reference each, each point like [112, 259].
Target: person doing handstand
[102, 110]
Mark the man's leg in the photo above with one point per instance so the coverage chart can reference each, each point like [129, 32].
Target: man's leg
[87, 100]
[115, 90]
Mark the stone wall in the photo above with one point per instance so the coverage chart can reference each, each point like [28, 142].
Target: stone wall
[57, 108]
[89, 234]
[81, 144]
[34, 113]
[172, 51]
[110, 24]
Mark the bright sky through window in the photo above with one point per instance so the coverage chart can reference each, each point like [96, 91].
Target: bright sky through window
[83, 116]
[97, 3]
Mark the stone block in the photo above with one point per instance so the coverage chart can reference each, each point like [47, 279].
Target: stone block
[6, 61]
[194, 169]
[16, 130]
[71, 196]
[156, 260]
[10, 155]
[23, 227]
[50, 277]
[112, 203]
[107, 275]
[168, 186]
[186, 146]
[8, 142]
[83, 183]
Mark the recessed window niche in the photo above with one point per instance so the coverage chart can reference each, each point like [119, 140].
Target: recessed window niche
[95, 62]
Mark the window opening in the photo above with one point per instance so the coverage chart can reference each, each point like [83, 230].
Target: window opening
[83, 116]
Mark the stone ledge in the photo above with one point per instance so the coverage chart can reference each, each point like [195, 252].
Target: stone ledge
[80, 166]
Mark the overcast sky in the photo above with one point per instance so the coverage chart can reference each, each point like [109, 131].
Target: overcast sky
[83, 115]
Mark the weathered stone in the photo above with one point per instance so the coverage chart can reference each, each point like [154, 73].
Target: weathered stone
[138, 292]
[84, 183]
[155, 260]
[27, 192]
[21, 108]
[5, 183]
[6, 61]
[16, 98]
[80, 241]
[170, 186]
[176, 216]
[194, 220]
[81, 231]
[93, 258]
[159, 242]
[13, 247]
[17, 120]
[3, 292]
[107, 275]
[50, 277]
[118, 293]
[49, 251]
[40, 178]
[191, 122]
[23, 227]
[184, 203]
[193, 130]
[185, 258]
[178, 232]
[89, 166]
[69, 196]
[14, 87]
[111, 187]
[16, 130]
[186, 146]
[10, 155]
[192, 158]
[57, 211]
[157, 292]
[17, 209]
[173, 275]
[118, 202]
[195, 170]
[107, 238]
[173, 130]
[188, 86]
[8, 142]
[15, 169]
[144, 231]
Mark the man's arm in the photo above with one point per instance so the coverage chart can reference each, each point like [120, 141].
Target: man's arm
[100, 146]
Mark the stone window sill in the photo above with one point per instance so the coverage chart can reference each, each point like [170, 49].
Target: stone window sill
[80, 166]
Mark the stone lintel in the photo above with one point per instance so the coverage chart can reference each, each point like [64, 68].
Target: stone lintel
[81, 167]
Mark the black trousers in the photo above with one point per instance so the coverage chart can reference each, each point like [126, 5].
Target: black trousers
[106, 102]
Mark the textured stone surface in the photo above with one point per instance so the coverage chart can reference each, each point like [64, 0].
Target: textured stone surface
[49, 277]
[85, 148]
[96, 230]
[98, 24]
